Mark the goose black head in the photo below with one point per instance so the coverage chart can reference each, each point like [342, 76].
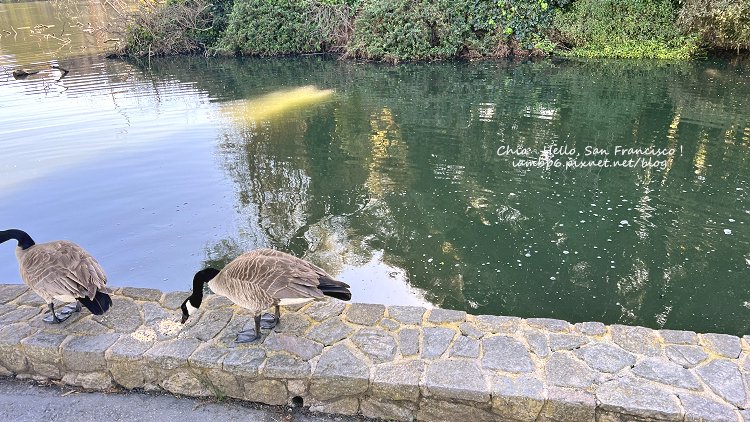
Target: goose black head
[24, 240]
[193, 302]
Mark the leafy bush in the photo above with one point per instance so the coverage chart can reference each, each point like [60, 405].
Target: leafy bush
[426, 30]
[269, 27]
[179, 27]
[624, 29]
[408, 30]
[723, 24]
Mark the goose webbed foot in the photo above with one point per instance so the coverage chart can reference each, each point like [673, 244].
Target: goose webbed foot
[247, 336]
[65, 313]
[268, 321]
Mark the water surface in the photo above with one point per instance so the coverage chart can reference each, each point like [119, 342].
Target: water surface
[390, 177]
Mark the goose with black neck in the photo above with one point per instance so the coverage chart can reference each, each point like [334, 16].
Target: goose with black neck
[261, 279]
[60, 270]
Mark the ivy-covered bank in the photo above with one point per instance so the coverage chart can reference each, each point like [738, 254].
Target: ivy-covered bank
[399, 30]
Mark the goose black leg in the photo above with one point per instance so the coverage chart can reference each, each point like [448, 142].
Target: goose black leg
[249, 336]
[268, 321]
[54, 318]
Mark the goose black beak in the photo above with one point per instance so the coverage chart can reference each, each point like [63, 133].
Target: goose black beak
[184, 318]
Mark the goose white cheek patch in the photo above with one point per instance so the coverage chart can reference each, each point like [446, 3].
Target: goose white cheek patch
[190, 308]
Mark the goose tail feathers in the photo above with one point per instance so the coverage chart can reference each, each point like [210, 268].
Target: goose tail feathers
[98, 305]
[334, 288]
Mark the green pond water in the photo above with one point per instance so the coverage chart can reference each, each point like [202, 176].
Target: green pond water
[461, 185]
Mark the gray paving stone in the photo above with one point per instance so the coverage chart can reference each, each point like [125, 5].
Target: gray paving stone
[390, 324]
[171, 354]
[86, 353]
[345, 406]
[378, 345]
[22, 314]
[43, 346]
[137, 293]
[722, 344]
[549, 324]
[538, 342]
[11, 357]
[266, 391]
[699, 409]
[641, 340]
[591, 328]
[725, 379]
[42, 352]
[679, 337]
[154, 313]
[386, 410]
[128, 347]
[470, 330]
[5, 308]
[605, 357]
[566, 341]
[445, 316]
[436, 409]
[244, 362]
[185, 382]
[298, 346]
[506, 354]
[408, 341]
[330, 332]
[518, 399]
[566, 405]
[293, 323]
[339, 373]
[638, 398]
[29, 298]
[564, 370]
[325, 309]
[208, 356]
[365, 314]
[436, 341]
[456, 379]
[283, 366]
[209, 326]
[173, 300]
[684, 355]
[410, 315]
[666, 373]
[124, 316]
[9, 292]
[498, 324]
[465, 347]
[398, 380]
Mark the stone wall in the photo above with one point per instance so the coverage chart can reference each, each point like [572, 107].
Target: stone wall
[395, 362]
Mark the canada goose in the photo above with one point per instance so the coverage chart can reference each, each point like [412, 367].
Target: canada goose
[263, 278]
[60, 270]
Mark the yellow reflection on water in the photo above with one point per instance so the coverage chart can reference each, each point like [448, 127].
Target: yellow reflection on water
[275, 104]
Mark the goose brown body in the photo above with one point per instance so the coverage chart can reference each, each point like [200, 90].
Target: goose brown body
[262, 278]
[60, 269]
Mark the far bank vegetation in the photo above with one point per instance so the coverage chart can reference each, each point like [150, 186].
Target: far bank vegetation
[408, 30]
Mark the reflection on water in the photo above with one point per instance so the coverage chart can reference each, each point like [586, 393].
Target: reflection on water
[394, 183]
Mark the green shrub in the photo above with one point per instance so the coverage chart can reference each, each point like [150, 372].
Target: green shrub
[722, 24]
[271, 27]
[436, 29]
[409, 30]
[624, 29]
